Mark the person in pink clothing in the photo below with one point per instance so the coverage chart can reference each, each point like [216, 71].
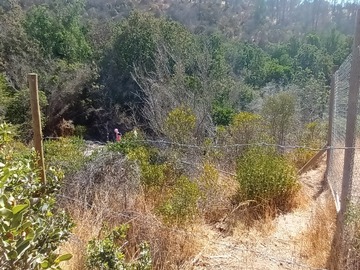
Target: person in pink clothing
[117, 135]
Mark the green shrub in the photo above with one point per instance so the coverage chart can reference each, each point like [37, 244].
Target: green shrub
[222, 115]
[181, 204]
[152, 174]
[80, 131]
[30, 228]
[18, 111]
[180, 125]
[246, 128]
[66, 154]
[279, 113]
[152, 171]
[108, 253]
[266, 177]
[5, 96]
[129, 141]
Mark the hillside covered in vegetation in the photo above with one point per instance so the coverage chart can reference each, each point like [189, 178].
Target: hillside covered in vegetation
[102, 64]
[220, 104]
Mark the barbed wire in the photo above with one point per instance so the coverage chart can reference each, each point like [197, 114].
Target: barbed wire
[238, 145]
[219, 146]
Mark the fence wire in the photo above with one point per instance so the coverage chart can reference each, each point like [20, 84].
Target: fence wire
[335, 170]
[338, 132]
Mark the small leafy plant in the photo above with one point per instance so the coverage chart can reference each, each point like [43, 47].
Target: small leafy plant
[108, 253]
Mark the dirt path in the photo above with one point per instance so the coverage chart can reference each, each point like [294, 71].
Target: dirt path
[277, 246]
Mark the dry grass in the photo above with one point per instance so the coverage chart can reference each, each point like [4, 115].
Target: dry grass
[317, 239]
[170, 247]
[88, 226]
[346, 245]
[247, 225]
[109, 193]
[217, 204]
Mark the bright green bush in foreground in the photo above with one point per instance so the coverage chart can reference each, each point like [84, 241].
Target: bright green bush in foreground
[30, 228]
[266, 177]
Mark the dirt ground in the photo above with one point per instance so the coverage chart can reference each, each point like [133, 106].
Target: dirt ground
[278, 244]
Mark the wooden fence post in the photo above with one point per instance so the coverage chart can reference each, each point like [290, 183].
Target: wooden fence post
[36, 120]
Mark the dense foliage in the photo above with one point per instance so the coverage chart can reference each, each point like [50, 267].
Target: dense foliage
[31, 227]
[202, 75]
[104, 65]
[266, 177]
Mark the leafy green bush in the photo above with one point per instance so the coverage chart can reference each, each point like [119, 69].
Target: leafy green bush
[266, 177]
[108, 253]
[66, 154]
[279, 113]
[18, 111]
[129, 141]
[30, 228]
[5, 94]
[181, 203]
[152, 173]
[246, 127]
[80, 131]
[222, 115]
[61, 33]
[180, 125]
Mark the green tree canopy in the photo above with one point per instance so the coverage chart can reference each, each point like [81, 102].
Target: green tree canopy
[59, 31]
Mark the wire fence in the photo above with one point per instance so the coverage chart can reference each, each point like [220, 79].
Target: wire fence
[338, 129]
[343, 167]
